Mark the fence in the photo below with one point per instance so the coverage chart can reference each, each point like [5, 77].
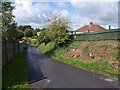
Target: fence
[94, 36]
[10, 48]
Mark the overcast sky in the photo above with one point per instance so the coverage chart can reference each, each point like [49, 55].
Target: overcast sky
[80, 12]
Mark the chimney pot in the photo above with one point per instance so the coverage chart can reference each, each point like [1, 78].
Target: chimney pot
[90, 23]
[109, 27]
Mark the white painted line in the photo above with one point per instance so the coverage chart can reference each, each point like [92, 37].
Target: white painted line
[48, 81]
[108, 79]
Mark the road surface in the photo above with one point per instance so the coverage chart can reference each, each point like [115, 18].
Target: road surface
[44, 72]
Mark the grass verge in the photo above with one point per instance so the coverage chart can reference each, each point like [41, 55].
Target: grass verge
[97, 66]
[93, 66]
[14, 74]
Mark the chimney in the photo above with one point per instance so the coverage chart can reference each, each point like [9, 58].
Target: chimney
[109, 27]
[90, 23]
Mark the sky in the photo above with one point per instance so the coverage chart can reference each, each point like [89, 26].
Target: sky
[79, 12]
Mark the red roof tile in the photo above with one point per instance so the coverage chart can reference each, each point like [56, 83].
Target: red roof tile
[91, 27]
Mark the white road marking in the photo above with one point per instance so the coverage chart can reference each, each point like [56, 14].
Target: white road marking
[48, 81]
[107, 79]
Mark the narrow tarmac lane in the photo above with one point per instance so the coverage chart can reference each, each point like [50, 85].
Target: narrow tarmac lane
[44, 72]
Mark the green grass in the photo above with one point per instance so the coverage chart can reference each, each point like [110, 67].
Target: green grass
[93, 66]
[98, 66]
[45, 48]
[14, 73]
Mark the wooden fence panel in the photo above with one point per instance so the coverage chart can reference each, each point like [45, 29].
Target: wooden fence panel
[4, 52]
[10, 48]
[94, 36]
[16, 47]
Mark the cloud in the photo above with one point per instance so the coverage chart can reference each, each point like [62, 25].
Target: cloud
[94, 0]
[27, 11]
[103, 13]
[79, 12]
[34, 13]
[60, 5]
[65, 13]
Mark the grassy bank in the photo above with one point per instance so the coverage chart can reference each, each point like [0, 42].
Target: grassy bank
[14, 73]
[77, 54]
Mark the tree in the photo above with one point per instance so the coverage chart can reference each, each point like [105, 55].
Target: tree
[38, 30]
[28, 32]
[43, 36]
[8, 24]
[12, 31]
[23, 28]
[34, 33]
[57, 29]
[20, 35]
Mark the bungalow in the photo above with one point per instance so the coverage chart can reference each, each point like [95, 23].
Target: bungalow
[90, 28]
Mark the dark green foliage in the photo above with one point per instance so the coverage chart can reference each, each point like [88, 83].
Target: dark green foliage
[23, 28]
[20, 35]
[12, 31]
[7, 16]
[43, 37]
[28, 32]
[8, 24]
[34, 32]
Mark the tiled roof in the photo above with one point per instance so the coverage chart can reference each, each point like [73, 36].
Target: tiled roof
[92, 27]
